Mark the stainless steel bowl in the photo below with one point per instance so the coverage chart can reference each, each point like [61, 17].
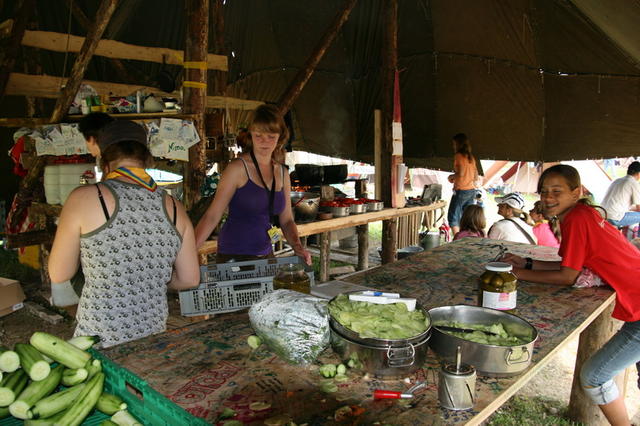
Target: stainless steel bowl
[357, 208]
[490, 360]
[339, 211]
[375, 206]
[305, 206]
[382, 358]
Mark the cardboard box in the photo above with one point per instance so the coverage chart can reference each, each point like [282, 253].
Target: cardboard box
[11, 296]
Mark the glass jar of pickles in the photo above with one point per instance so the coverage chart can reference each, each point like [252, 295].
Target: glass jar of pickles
[292, 276]
[498, 287]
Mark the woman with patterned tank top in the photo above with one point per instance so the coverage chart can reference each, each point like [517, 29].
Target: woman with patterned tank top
[255, 188]
[132, 240]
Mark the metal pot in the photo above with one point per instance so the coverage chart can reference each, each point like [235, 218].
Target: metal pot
[305, 206]
[490, 360]
[357, 208]
[375, 206]
[382, 358]
[339, 211]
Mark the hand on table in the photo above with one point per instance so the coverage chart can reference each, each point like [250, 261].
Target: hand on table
[514, 260]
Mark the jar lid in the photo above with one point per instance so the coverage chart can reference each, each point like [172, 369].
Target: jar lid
[498, 267]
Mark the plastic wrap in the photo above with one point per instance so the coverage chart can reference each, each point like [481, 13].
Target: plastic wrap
[295, 326]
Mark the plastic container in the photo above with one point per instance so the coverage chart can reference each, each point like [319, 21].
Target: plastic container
[498, 287]
[227, 287]
[52, 184]
[292, 276]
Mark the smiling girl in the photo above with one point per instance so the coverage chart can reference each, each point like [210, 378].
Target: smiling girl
[588, 240]
[255, 188]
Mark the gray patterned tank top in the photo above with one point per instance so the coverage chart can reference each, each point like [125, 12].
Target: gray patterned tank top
[127, 263]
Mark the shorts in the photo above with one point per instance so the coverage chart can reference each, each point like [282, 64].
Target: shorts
[460, 200]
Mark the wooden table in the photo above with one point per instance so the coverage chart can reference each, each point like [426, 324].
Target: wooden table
[208, 366]
[324, 228]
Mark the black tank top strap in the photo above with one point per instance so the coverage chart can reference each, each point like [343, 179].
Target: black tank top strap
[175, 211]
[102, 203]
[246, 170]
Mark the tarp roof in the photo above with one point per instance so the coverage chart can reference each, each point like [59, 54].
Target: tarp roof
[525, 79]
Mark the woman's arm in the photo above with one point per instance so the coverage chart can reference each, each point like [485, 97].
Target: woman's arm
[546, 272]
[65, 252]
[230, 180]
[186, 269]
[288, 225]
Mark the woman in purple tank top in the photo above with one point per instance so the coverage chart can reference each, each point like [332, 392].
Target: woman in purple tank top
[255, 188]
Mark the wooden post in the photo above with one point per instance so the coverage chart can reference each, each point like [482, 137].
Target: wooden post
[12, 48]
[296, 86]
[195, 93]
[325, 255]
[387, 171]
[362, 230]
[581, 408]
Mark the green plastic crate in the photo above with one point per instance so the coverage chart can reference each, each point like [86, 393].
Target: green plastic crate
[147, 405]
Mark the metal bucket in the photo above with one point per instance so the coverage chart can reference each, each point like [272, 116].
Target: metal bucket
[382, 358]
[489, 360]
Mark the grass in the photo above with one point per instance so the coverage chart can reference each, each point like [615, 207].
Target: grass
[521, 411]
[316, 264]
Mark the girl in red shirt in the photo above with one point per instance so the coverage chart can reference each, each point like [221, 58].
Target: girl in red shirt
[588, 240]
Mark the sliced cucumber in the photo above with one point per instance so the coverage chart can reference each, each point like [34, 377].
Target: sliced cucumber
[32, 362]
[11, 386]
[56, 402]
[34, 393]
[61, 351]
[9, 360]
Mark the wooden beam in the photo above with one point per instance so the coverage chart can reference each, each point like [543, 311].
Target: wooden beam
[299, 81]
[389, 66]
[103, 15]
[57, 42]
[12, 48]
[26, 239]
[47, 86]
[35, 122]
[195, 94]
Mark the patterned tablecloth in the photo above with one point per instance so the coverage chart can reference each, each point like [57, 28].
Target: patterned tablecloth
[208, 366]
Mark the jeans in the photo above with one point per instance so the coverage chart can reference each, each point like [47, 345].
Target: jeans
[460, 200]
[629, 218]
[621, 351]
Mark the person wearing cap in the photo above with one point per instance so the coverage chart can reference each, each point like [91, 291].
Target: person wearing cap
[516, 225]
[465, 174]
[132, 240]
[622, 200]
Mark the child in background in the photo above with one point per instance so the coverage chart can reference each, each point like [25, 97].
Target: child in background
[547, 233]
[590, 241]
[472, 223]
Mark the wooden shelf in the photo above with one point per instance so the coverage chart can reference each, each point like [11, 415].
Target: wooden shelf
[33, 122]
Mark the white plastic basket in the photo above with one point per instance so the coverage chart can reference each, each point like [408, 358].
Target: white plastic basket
[227, 287]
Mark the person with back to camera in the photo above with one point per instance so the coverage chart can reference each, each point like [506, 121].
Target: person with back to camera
[90, 126]
[465, 174]
[516, 225]
[590, 241]
[623, 195]
[472, 223]
[255, 188]
[132, 239]
[547, 232]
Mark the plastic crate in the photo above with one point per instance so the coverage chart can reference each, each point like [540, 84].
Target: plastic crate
[143, 402]
[227, 287]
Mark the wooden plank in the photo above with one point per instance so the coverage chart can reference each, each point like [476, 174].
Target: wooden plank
[30, 238]
[301, 78]
[34, 122]
[377, 152]
[47, 86]
[57, 42]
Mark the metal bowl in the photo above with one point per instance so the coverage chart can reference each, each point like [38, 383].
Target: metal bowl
[339, 211]
[305, 206]
[490, 360]
[375, 206]
[357, 208]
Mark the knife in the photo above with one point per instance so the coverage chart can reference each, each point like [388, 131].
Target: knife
[463, 330]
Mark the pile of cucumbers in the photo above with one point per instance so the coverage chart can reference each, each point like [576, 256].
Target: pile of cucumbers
[50, 381]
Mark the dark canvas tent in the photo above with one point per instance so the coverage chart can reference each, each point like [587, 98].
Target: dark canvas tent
[526, 79]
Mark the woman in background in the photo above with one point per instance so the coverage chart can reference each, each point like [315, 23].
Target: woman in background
[472, 223]
[256, 189]
[546, 232]
[516, 225]
[463, 179]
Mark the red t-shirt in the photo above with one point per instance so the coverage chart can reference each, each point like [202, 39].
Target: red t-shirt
[590, 241]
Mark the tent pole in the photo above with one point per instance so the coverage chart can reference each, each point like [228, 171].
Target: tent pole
[298, 83]
[195, 93]
[388, 169]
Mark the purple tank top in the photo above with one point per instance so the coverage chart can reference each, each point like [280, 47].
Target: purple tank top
[245, 231]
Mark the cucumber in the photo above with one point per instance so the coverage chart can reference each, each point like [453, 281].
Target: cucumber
[11, 386]
[71, 376]
[124, 418]
[9, 360]
[110, 404]
[4, 412]
[94, 366]
[85, 402]
[56, 402]
[32, 362]
[84, 342]
[49, 421]
[34, 393]
[61, 351]
[108, 422]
